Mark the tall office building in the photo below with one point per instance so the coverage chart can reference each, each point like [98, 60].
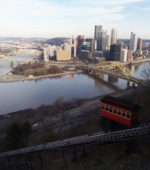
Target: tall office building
[133, 42]
[92, 44]
[99, 41]
[108, 42]
[104, 40]
[81, 39]
[73, 45]
[98, 36]
[98, 30]
[139, 44]
[80, 42]
[115, 52]
[113, 36]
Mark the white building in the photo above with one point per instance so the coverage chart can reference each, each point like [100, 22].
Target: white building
[52, 51]
[73, 44]
[108, 42]
[113, 36]
[124, 55]
[46, 54]
[133, 42]
[49, 52]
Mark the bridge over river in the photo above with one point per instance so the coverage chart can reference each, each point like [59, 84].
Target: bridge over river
[96, 70]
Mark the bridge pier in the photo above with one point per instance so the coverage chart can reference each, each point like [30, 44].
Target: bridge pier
[128, 83]
[133, 85]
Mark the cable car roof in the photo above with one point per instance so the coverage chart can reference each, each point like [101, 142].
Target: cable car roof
[120, 102]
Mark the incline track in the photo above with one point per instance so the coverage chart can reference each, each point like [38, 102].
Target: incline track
[101, 137]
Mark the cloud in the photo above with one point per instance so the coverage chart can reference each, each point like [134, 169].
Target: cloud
[145, 9]
[47, 16]
[49, 8]
[114, 2]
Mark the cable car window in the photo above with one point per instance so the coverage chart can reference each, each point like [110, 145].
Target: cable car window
[106, 108]
[110, 109]
[129, 113]
[128, 116]
[103, 107]
[119, 112]
[114, 111]
[123, 114]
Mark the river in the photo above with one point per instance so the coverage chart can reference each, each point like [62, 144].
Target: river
[31, 94]
[22, 95]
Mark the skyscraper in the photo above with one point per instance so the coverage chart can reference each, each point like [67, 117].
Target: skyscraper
[98, 36]
[113, 36]
[81, 39]
[99, 41]
[102, 38]
[139, 44]
[108, 42]
[80, 42]
[115, 52]
[133, 42]
[73, 45]
[98, 30]
[92, 43]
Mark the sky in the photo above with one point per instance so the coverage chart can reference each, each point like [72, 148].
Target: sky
[59, 18]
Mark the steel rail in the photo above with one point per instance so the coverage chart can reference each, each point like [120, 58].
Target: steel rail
[99, 137]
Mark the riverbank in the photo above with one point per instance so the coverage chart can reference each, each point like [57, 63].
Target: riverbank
[51, 122]
[17, 78]
[140, 61]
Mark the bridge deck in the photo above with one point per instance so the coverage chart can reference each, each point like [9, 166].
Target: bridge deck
[125, 77]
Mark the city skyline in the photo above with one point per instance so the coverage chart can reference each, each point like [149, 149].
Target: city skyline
[48, 19]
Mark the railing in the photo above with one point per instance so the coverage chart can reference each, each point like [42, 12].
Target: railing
[100, 137]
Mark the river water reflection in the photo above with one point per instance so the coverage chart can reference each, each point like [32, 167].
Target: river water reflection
[22, 95]
[138, 70]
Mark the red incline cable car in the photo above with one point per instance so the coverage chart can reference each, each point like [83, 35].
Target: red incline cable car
[119, 110]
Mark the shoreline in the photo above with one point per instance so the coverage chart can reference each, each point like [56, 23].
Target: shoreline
[18, 78]
[139, 61]
[8, 78]
[118, 93]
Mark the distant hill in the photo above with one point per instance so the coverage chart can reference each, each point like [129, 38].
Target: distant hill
[56, 41]
[146, 41]
[126, 41]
